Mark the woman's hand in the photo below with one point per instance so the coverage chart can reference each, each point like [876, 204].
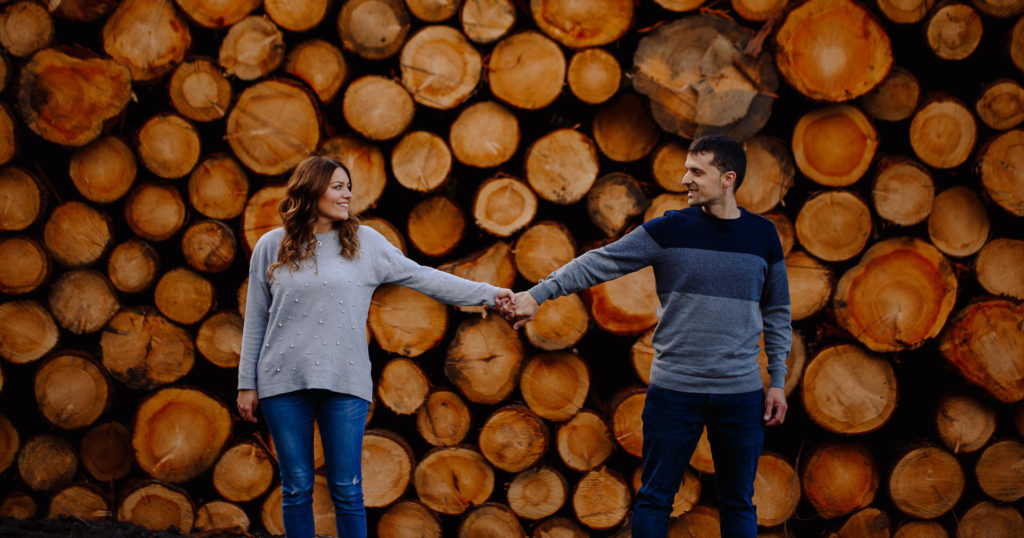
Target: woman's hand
[247, 402]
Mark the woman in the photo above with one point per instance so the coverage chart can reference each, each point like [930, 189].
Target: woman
[304, 352]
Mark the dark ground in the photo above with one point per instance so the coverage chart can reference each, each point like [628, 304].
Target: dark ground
[71, 527]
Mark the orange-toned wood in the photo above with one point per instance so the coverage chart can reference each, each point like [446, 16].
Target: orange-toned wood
[987, 518]
[839, 478]
[143, 350]
[562, 165]
[810, 284]
[133, 266]
[243, 472]
[25, 265]
[926, 482]
[217, 14]
[76, 234]
[71, 391]
[218, 187]
[579, 25]
[896, 98]
[319, 64]
[769, 174]
[84, 10]
[421, 161]
[27, 331]
[18, 505]
[624, 130]
[985, 344]
[9, 444]
[594, 75]
[155, 211]
[436, 226]
[626, 417]
[601, 499]
[405, 321]
[403, 386]
[834, 145]
[903, 191]
[585, 441]
[613, 201]
[104, 170]
[1000, 471]
[168, 146]
[83, 301]
[504, 205]
[703, 520]
[219, 339]
[149, 37]
[845, 403]
[107, 451]
[25, 27]
[668, 165]
[664, 203]
[378, 108]
[373, 29]
[1004, 185]
[388, 230]
[943, 132]
[443, 419]
[625, 306]
[953, 31]
[920, 529]
[296, 16]
[407, 517]
[1000, 267]
[555, 385]
[513, 438]
[542, 248]
[537, 493]
[754, 10]
[1001, 104]
[687, 495]
[440, 68]
[22, 199]
[558, 527]
[486, 21]
[784, 227]
[795, 363]
[273, 126]
[252, 48]
[776, 490]
[958, 224]
[323, 510]
[178, 433]
[449, 480]
[79, 502]
[221, 516]
[157, 506]
[905, 12]
[490, 519]
[9, 144]
[867, 523]
[47, 462]
[184, 296]
[484, 359]
[391, 460]
[964, 423]
[208, 246]
[484, 135]
[529, 85]
[560, 323]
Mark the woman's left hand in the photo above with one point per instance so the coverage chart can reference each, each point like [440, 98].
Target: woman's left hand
[247, 402]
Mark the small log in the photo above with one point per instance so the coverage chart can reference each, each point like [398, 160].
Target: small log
[989, 519]
[155, 211]
[323, 510]
[896, 98]
[440, 68]
[27, 331]
[558, 527]
[409, 518]
[200, 91]
[9, 444]
[243, 472]
[104, 170]
[926, 482]
[529, 85]
[1000, 471]
[296, 16]
[503, 205]
[834, 225]
[537, 493]
[179, 433]
[484, 135]
[754, 10]
[373, 29]
[562, 166]
[627, 419]
[218, 187]
[443, 419]
[703, 520]
[513, 438]
[405, 321]
[391, 460]
[83, 301]
[219, 339]
[18, 505]
[143, 350]
[378, 108]
[490, 519]
[252, 48]
[559, 324]
[403, 387]
[1000, 267]
[905, 12]
[903, 191]
[601, 499]
[795, 363]
[585, 441]
[776, 490]
[157, 506]
[436, 226]
[432, 10]
[613, 201]
[76, 234]
[542, 248]
[839, 478]
[811, 37]
[221, 517]
[484, 359]
[641, 355]
[984, 342]
[1004, 184]
[845, 403]
[208, 246]
[769, 174]
[810, 284]
[555, 385]
[184, 296]
[9, 145]
[148, 36]
[22, 199]
[625, 306]
[943, 132]
[366, 163]
[47, 462]
[783, 227]
[449, 480]
[953, 31]
[25, 27]
[1001, 105]
[486, 21]
[79, 502]
[663, 203]
[273, 125]
[898, 320]
[624, 130]
[133, 266]
[317, 63]
[421, 161]
[71, 391]
[920, 529]
[867, 523]
[388, 230]
[107, 452]
[958, 224]
[24, 266]
[834, 145]
[594, 75]
[217, 14]
[168, 146]
[668, 165]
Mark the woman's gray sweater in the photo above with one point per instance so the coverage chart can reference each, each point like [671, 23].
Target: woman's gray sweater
[306, 329]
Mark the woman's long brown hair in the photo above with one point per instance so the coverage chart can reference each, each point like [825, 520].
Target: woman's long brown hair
[299, 214]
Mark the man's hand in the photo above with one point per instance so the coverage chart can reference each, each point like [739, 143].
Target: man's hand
[775, 406]
[247, 402]
[522, 310]
[504, 300]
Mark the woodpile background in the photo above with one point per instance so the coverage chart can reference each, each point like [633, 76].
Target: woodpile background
[143, 144]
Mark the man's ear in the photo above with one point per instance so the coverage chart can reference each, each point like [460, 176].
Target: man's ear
[728, 179]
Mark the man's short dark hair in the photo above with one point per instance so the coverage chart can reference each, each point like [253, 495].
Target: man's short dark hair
[726, 155]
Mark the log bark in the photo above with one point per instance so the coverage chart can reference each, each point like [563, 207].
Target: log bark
[896, 98]
[594, 75]
[559, 323]
[555, 385]
[839, 478]
[405, 321]
[943, 132]
[626, 417]
[217, 14]
[243, 472]
[25, 27]
[440, 68]
[486, 21]
[219, 339]
[104, 170]
[964, 423]
[323, 510]
[581, 25]
[221, 517]
[513, 438]
[403, 387]
[958, 224]
[71, 391]
[810, 284]
[407, 517]
[542, 248]
[585, 441]
[148, 36]
[378, 108]
[601, 499]
[273, 126]
[320, 65]
[155, 211]
[18, 505]
[184, 296]
[953, 31]
[107, 452]
[902, 12]
[27, 331]
[421, 161]
[143, 350]
[391, 461]
[624, 306]
[133, 266]
[562, 166]
[76, 234]
[484, 135]
[157, 506]
[537, 493]
[178, 433]
[842, 402]
[503, 206]
[296, 16]
[47, 462]
[490, 519]
[867, 523]
[449, 480]
[907, 286]
[834, 145]
[926, 482]
[9, 445]
[903, 191]
[623, 129]
[1001, 105]
[834, 225]
[22, 199]
[527, 85]
[999, 267]
[1003, 183]
[613, 201]
[168, 146]
[25, 265]
[1000, 471]
[668, 165]
[365, 162]
[989, 519]
[436, 226]
[373, 29]
[83, 301]
[769, 174]
[443, 419]
[776, 490]
[986, 345]
[79, 502]
[810, 37]
[66, 99]
[484, 359]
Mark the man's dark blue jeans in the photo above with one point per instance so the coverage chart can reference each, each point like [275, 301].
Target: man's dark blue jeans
[673, 422]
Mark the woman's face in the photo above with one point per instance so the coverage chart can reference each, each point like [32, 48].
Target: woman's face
[333, 203]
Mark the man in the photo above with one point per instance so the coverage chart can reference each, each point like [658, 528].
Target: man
[721, 281]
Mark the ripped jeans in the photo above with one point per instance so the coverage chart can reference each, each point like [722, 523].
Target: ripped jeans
[341, 418]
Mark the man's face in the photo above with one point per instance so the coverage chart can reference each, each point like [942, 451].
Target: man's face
[705, 184]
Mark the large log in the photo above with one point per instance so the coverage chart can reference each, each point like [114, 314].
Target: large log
[585, 441]
[559, 323]
[848, 390]
[273, 126]
[776, 490]
[148, 36]
[484, 359]
[25, 27]
[252, 48]
[104, 170]
[985, 344]
[178, 433]
[440, 68]
[834, 145]
[323, 510]
[23, 199]
[450, 480]
[867, 523]
[27, 331]
[107, 452]
[184, 296]
[218, 187]
[405, 321]
[157, 506]
[9, 443]
[703, 520]
[926, 482]
[389, 462]
[76, 234]
[243, 472]
[810, 284]
[528, 85]
[537, 493]
[9, 144]
[1004, 184]
[958, 224]
[443, 419]
[964, 423]
[1000, 267]
[905, 12]
[834, 225]
[542, 248]
[319, 64]
[199, 90]
[627, 419]
[143, 350]
[594, 75]
[686, 497]
[561, 166]
[943, 132]
[513, 438]
[839, 478]
[768, 178]
[71, 390]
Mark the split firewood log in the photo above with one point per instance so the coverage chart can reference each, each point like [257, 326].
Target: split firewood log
[503, 205]
[378, 108]
[107, 451]
[323, 510]
[895, 98]
[562, 166]
[810, 284]
[903, 191]
[157, 506]
[184, 296]
[27, 331]
[143, 350]
[839, 478]
[243, 472]
[627, 419]
[776, 490]
[953, 31]
[613, 201]
[542, 248]
[768, 178]
[625, 306]
[440, 68]
[421, 161]
[1000, 267]
[406, 516]
[168, 146]
[219, 339]
[443, 419]
[943, 132]
[83, 301]
[76, 234]
[834, 145]
[104, 170]
[905, 12]
[926, 482]
[601, 499]
[1003, 183]
[217, 14]
[623, 129]
[529, 85]
[555, 385]
[585, 441]
[842, 402]
[484, 359]
[984, 342]
[319, 64]
[133, 266]
[71, 391]
[391, 461]
[25, 27]
[986, 518]
[80, 502]
[958, 224]
[273, 126]
[47, 462]
[486, 21]
[484, 135]
[373, 29]
[22, 199]
[436, 226]
[560, 323]
[449, 480]
[1000, 471]
[149, 37]
[296, 16]
[405, 321]
[490, 519]
[366, 163]
[155, 211]
[221, 517]
[9, 444]
[513, 438]
[537, 493]
[594, 75]
[403, 386]
[580, 25]
[179, 433]
[208, 246]
[1001, 105]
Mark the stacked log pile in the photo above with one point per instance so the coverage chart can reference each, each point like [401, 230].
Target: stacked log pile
[143, 148]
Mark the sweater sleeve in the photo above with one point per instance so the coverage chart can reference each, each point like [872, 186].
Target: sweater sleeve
[631, 252]
[257, 305]
[775, 314]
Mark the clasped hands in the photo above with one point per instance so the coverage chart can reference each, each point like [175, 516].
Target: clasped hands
[517, 308]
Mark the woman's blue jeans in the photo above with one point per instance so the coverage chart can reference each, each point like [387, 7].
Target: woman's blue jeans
[341, 418]
[673, 422]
